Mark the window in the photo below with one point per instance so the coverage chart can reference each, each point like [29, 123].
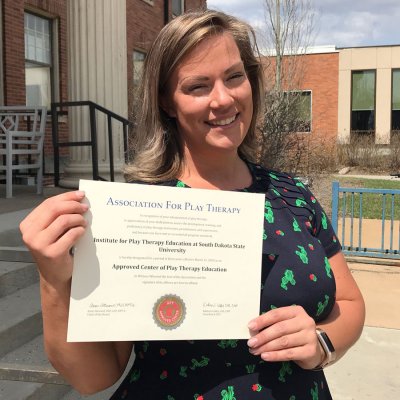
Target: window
[396, 100]
[178, 7]
[138, 61]
[298, 104]
[38, 60]
[363, 101]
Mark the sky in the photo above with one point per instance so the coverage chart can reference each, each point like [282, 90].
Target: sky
[343, 23]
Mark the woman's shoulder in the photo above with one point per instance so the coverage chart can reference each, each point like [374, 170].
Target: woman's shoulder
[277, 179]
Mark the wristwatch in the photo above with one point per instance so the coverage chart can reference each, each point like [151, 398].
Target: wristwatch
[330, 353]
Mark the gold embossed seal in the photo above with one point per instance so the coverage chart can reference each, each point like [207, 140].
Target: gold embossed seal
[169, 311]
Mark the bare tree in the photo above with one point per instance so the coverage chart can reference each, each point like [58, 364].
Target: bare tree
[289, 33]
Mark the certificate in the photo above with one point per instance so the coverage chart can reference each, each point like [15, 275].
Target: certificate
[166, 263]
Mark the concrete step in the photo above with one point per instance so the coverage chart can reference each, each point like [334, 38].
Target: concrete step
[29, 363]
[15, 254]
[15, 276]
[21, 318]
[11, 237]
[12, 247]
[13, 390]
[74, 395]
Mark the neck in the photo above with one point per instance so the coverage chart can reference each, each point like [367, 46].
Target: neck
[222, 171]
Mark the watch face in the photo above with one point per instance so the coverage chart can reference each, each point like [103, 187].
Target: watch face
[327, 341]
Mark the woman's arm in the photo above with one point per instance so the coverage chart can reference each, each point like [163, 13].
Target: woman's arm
[50, 231]
[346, 320]
[288, 333]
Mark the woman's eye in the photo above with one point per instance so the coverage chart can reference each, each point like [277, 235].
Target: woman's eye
[196, 87]
[237, 75]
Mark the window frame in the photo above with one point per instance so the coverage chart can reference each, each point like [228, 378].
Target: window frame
[144, 53]
[54, 55]
[309, 92]
[360, 131]
[391, 101]
[182, 2]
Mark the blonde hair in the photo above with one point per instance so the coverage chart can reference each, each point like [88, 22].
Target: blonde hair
[157, 151]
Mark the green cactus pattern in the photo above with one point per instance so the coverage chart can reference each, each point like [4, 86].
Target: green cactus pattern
[314, 392]
[300, 203]
[296, 226]
[302, 253]
[288, 277]
[224, 344]
[269, 214]
[199, 364]
[228, 394]
[324, 221]
[286, 369]
[322, 305]
[135, 375]
[250, 368]
[327, 267]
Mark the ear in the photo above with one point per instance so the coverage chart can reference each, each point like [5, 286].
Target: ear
[166, 105]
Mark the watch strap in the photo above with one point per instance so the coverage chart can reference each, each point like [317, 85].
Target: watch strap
[327, 346]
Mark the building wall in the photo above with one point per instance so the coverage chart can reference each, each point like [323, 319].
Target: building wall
[14, 55]
[317, 73]
[144, 19]
[14, 52]
[321, 77]
[382, 59]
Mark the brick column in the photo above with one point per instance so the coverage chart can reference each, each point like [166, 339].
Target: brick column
[98, 72]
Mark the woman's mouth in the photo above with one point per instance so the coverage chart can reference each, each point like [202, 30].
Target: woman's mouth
[223, 122]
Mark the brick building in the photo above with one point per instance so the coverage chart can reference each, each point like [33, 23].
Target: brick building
[349, 91]
[314, 76]
[75, 50]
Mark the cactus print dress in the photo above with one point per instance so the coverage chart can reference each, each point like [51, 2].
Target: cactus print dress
[298, 242]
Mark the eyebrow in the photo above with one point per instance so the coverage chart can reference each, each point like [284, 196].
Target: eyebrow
[202, 78]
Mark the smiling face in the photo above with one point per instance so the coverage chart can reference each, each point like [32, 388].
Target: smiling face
[210, 96]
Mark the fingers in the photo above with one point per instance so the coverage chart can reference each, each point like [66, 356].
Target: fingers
[51, 208]
[50, 231]
[283, 334]
[59, 236]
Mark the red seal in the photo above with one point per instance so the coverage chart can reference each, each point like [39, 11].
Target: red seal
[169, 311]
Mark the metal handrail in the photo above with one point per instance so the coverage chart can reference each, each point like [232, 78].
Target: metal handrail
[348, 203]
[57, 109]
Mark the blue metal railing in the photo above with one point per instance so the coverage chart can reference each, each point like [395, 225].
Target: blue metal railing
[361, 236]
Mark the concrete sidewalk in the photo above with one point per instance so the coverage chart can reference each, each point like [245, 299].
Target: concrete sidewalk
[370, 370]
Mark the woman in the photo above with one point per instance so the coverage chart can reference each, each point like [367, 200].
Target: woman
[202, 90]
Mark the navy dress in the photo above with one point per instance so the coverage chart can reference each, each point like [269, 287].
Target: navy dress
[298, 242]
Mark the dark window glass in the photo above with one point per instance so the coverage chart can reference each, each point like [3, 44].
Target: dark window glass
[363, 101]
[177, 7]
[37, 60]
[298, 104]
[396, 100]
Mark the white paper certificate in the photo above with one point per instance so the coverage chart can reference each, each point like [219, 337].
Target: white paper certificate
[166, 263]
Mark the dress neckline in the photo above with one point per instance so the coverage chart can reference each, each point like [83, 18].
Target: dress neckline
[255, 179]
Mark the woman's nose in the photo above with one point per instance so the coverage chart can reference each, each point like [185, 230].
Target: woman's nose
[221, 96]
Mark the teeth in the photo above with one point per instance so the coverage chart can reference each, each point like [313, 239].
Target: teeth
[223, 122]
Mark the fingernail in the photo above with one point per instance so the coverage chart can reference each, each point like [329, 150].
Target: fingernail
[252, 342]
[80, 193]
[252, 325]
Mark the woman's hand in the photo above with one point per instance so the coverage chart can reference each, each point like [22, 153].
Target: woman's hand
[286, 333]
[51, 230]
